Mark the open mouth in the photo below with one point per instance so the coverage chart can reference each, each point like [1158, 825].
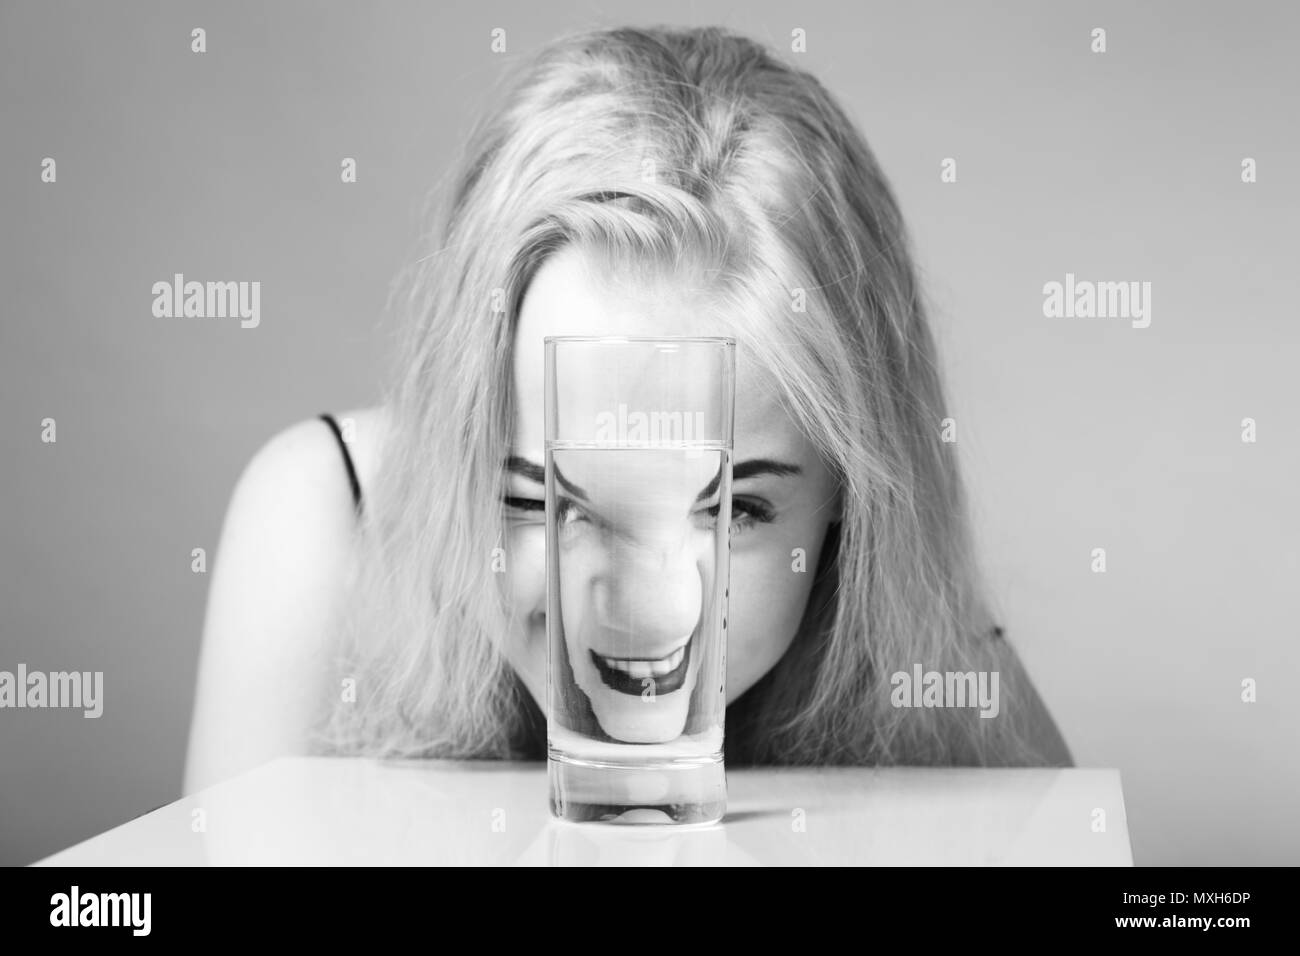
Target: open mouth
[636, 676]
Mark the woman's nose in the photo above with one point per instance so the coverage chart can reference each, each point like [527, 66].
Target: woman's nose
[651, 592]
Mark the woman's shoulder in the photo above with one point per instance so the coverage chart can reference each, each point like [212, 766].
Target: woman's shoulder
[306, 458]
[280, 567]
[293, 500]
[362, 431]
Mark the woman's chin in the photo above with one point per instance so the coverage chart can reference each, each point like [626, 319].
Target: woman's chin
[636, 720]
[645, 718]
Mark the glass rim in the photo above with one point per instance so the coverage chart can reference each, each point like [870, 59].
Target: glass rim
[700, 339]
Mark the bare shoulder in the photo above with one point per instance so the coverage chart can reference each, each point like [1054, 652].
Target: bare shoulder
[299, 471]
[293, 501]
[274, 591]
[364, 430]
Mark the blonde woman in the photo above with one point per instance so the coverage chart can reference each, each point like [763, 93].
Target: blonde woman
[380, 585]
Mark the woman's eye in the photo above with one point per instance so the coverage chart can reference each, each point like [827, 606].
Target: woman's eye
[568, 511]
[525, 504]
[744, 513]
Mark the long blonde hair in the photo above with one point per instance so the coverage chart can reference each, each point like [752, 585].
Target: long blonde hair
[673, 151]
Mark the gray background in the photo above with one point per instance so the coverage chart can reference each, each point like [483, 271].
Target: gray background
[1077, 433]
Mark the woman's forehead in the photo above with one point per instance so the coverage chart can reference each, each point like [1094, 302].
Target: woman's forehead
[569, 295]
[564, 299]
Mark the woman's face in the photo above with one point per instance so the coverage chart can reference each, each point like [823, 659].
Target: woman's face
[783, 496]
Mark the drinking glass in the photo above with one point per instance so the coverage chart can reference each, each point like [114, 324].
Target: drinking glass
[638, 438]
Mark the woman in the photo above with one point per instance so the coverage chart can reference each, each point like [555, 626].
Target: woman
[635, 181]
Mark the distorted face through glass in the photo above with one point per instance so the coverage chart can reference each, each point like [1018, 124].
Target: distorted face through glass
[629, 636]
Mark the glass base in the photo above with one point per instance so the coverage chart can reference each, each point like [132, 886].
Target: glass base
[681, 793]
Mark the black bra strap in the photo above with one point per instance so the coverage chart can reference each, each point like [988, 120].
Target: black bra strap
[347, 458]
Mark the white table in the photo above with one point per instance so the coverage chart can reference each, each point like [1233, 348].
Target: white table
[343, 811]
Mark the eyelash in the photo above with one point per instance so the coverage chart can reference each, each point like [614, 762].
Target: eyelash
[524, 504]
[752, 511]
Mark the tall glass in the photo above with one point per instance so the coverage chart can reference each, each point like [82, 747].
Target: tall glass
[638, 512]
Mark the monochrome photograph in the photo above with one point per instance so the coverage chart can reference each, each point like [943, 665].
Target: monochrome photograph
[591, 434]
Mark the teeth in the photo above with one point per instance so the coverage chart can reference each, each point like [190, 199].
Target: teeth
[643, 669]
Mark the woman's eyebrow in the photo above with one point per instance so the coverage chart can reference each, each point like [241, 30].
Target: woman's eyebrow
[535, 472]
[526, 468]
[750, 469]
[745, 469]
